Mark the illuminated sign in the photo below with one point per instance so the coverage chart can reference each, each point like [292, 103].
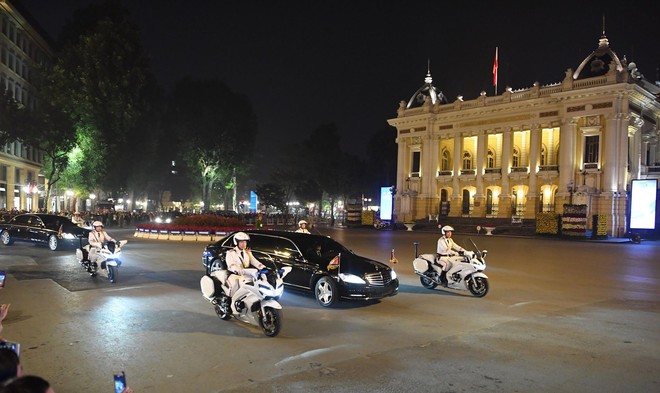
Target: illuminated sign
[643, 203]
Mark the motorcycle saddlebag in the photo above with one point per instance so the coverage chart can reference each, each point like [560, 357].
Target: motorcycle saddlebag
[211, 285]
[421, 265]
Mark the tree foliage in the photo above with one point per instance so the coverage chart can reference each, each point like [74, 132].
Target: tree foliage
[214, 129]
[272, 194]
[100, 74]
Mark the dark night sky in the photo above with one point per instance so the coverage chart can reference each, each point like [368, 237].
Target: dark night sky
[306, 63]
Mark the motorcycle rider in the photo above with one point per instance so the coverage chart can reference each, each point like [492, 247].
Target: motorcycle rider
[446, 248]
[302, 227]
[97, 238]
[239, 258]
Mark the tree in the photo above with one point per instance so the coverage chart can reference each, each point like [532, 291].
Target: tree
[48, 129]
[8, 117]
[100, 74]
[215, 129]
[271, 194]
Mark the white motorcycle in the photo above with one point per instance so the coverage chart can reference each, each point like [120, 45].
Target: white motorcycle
[466, 272]
[108, 256]
[255, 301]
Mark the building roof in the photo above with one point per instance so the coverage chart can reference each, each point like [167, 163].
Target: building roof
[427, 91]
[598, 63]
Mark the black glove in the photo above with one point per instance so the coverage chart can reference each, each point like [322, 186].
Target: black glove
[461, 253]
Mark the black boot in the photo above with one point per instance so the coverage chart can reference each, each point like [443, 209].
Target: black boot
[443, 278]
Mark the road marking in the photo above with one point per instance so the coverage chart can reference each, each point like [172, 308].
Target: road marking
[309, 354]
[136, 287]
[521, 304]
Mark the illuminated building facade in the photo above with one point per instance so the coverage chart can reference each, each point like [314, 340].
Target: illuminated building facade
[579, 141]
[22, 47]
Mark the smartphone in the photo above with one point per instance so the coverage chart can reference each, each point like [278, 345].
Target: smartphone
[120, 381]
[16, 347]
[3, 275]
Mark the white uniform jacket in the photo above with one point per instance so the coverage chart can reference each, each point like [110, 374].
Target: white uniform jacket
[238, 259]
[446, 246]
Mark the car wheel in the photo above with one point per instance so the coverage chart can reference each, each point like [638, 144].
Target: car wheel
[326, 291]
[53, 242]
[6, 239]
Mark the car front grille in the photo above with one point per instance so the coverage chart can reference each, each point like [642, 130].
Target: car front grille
[379, 279]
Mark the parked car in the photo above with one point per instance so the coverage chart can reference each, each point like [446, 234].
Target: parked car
[319, 264]
[55, 231]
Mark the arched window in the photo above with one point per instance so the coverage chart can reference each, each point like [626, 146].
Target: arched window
[467, 160]
[446, 160]
[516, 157]
[490, 160]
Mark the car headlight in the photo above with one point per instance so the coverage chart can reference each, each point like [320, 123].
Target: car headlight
[393, 275]
[168, 220]
[68, 236]
[159, 220]
[351, 278]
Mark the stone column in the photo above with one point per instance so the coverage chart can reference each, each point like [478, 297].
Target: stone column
[455, 204]
[567, 144]
[401, 173]
[635, 151]
[479, 197]
[534, 156]
[504, 203]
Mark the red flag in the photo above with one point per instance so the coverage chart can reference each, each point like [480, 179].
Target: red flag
[334, 263]
[495, 65]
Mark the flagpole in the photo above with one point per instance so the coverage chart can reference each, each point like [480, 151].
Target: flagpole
[495, 67]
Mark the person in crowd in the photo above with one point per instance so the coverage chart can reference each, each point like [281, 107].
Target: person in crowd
[10, 366]
[28, 384]
[446, 248]
[97, 238]
[239, 258]
[302, 227]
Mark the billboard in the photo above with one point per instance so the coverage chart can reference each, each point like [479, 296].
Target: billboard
[643, 203]
[385, 203]
[253, 202]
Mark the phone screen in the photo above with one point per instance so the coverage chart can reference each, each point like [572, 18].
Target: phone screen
[16, 347]
[3, 274]
[120, 382]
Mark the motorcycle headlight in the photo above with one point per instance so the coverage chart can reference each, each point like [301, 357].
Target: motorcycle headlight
[351, 278]
[159, 220]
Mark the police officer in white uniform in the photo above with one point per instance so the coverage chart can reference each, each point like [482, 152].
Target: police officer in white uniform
[302, 227]
[446, 249]
[97, 238]
[239, 258]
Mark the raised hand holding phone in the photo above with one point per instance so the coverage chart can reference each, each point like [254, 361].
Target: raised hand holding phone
[120, 382]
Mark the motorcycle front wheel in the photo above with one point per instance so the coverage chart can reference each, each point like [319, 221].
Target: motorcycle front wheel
[112, 273]
[478, 286]
[427, 282]
[271, 321]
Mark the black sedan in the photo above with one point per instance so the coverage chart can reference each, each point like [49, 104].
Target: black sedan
[319, 264]
[53, 230]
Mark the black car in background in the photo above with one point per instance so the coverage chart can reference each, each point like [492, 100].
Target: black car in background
[53, 230]
[319, 264]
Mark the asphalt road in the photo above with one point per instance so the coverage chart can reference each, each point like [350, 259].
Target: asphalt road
[561, 316]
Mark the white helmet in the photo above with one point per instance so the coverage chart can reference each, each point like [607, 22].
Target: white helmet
[240, 236]
[301, 222]
[97, 224]
[447, 228]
